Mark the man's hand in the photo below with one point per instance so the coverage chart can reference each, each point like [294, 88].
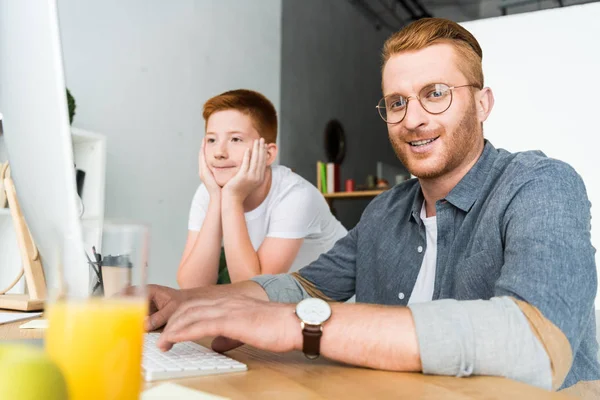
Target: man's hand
[164, 301]
[234, 320]
[206, 175]
[251, 173]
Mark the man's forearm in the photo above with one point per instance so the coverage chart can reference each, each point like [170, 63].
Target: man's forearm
[380, 337]
[242, 259]
[201, 266]
[444, 337]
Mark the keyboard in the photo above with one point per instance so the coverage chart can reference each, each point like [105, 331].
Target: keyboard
[184, 360]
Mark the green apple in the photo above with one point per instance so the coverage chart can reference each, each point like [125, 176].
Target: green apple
[27, 373]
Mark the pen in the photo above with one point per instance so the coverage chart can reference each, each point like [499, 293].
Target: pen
[98, 258]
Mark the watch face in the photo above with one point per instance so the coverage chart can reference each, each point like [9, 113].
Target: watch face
[313, 311]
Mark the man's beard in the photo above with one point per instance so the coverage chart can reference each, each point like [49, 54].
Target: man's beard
[458, 145]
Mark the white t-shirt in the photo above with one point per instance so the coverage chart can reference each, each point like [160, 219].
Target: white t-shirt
[293, 209]
[423, 290]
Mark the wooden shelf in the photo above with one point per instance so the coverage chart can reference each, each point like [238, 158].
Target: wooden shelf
[355, 194]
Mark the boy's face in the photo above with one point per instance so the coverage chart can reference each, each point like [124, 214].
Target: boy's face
[432, 146]
[228, 134]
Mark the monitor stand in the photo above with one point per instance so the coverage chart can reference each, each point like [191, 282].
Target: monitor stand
[30, 257]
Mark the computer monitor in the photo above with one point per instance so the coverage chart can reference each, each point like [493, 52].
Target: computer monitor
[38, 139]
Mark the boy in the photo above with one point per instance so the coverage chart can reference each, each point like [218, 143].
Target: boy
[268, 219]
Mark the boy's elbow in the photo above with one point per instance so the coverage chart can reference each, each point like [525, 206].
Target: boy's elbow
[183, 280]
[180, 280]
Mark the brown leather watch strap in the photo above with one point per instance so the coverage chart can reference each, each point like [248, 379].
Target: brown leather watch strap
[311, 347]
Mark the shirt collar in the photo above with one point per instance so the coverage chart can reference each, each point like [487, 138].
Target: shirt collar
[467, 191]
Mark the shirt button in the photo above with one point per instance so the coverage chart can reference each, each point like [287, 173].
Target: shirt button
[400, 295]
[420, 249]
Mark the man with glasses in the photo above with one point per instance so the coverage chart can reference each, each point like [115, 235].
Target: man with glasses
[482, 265]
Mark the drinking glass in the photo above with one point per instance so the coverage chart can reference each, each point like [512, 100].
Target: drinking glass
[96, 338]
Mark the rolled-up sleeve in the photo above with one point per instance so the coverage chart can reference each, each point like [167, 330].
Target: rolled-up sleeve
[330, 277]
[281, 288]
[480, 337]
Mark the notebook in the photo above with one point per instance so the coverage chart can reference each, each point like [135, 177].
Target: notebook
[8, 317]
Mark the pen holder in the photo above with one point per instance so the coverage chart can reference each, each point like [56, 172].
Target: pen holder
[116, 274]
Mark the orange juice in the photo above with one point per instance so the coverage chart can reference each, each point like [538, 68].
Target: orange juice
[98, 345]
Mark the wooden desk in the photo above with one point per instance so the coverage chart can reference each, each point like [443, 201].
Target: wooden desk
[291, 376]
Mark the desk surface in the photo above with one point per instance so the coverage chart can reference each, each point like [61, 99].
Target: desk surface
[291, 376]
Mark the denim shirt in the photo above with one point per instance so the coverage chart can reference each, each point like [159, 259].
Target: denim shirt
[517, 225]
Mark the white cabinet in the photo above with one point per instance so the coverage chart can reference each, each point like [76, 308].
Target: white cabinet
[90, 156]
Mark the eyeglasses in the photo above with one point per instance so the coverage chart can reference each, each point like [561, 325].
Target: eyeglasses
[435, 99]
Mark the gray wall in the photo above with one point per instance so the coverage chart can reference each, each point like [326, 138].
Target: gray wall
[331, 69]
[491, 8]
[140, 71]
[456, 10]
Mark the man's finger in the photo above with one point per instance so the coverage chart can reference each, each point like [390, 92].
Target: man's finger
[159, 318]
[222, 344]
[187, 305]
[148, 326]
[192, 316]
[164, 344]
[199, 330]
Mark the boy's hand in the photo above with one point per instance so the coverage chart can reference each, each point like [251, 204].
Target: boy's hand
[251, 173]
[206, 175]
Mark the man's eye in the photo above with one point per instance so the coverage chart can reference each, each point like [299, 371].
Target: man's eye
[436, 94]
[397, 104]
[210, 140]
[235, 139]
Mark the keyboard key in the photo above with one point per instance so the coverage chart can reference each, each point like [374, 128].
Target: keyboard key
[184, 360]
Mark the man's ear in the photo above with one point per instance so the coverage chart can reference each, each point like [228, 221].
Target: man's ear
[484, 103]
[271, 153]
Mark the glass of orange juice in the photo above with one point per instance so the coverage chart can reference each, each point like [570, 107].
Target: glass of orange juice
[96, 338]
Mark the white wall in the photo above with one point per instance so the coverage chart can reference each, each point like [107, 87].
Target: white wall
[543, 69]
[140, 71]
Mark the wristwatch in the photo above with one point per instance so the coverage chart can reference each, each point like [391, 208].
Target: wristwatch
[312, 313]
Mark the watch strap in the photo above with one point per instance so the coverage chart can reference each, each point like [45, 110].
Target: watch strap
[311, 346]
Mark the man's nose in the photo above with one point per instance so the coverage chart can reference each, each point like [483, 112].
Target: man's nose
[416, 116]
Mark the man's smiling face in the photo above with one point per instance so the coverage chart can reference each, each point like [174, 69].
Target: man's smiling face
[431, 146]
